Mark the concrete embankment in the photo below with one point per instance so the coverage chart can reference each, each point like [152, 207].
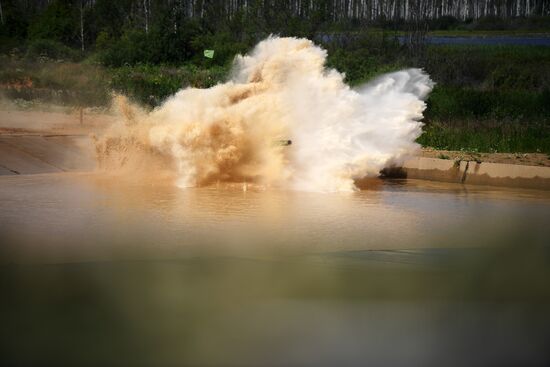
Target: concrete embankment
[38, 142]
[43, 153]
[34, 142]
[32, 154]
[475, 173]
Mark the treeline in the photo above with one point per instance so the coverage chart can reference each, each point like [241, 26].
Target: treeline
[79, 23]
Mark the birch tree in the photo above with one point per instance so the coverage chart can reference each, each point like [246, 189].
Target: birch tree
[146, 13]
[1, 14]
[82, 24]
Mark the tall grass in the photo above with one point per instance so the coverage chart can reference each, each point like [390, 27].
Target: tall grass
[487, 136]
[150, 85]
[45, 80]
[488, 98]
[447, 104]
[489, 67]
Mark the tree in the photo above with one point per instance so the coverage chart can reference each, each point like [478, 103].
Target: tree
[1, 14]
[82, 23]
[55, 23]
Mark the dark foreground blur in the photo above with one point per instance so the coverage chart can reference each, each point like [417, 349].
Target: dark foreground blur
[430, 307]
[403, 274]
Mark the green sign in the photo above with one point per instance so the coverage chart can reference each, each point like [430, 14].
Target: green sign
[209, 54]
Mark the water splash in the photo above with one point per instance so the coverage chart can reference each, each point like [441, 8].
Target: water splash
[281, 90]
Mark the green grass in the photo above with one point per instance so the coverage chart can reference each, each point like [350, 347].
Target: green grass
[489, 67]
[448, 104]
[91, 85]
[485, 136]
[150, 85]
[49, 81]
[489, 33]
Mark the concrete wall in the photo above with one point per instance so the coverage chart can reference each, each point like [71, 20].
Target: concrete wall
[471, 172]
[31, 154]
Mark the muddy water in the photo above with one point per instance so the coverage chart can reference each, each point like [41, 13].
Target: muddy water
[103, 271]
[85, 217]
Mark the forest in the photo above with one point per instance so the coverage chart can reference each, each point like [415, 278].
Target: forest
[81, 22]
[487, 98]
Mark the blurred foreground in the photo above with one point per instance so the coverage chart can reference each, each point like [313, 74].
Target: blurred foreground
[103, 271]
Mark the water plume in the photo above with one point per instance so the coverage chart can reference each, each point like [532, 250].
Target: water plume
[281, 90]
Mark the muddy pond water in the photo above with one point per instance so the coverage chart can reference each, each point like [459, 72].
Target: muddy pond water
[105, 270]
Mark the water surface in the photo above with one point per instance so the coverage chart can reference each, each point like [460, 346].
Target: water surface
[56, 217]
[102, 271]
[485, 40]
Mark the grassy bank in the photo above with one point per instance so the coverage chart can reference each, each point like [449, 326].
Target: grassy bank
[487, 137]
[490, 99]
[85, 84]
[486, 99]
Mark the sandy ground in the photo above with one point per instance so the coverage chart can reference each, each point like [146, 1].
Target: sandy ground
[39, 122]
[44, 142]
[526, 159]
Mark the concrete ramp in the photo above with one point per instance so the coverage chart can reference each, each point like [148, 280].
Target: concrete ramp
[34, 153]
[475, 173]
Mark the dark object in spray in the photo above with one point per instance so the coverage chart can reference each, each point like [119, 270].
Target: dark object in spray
[284, 143]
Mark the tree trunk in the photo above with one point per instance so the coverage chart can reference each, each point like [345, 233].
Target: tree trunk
[1, 14]
[82, 24]
[146, 10]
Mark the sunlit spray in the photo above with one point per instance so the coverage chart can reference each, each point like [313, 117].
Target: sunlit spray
[281, 91]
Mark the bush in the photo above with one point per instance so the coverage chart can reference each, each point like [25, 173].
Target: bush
[451, 103]
[52, 50]
[66, 83]
[539, 23]
[103, 41]
[444, 23]
[7, 44]
[225, 49]
[160, 46]
[364, 56]
[490, 23]
[130, 49]
[150, 85]
[55, 23]
[490, 67]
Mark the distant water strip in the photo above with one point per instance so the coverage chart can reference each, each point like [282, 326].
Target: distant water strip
[488, 41]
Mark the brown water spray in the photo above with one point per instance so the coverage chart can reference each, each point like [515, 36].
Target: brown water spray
[280, 91]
